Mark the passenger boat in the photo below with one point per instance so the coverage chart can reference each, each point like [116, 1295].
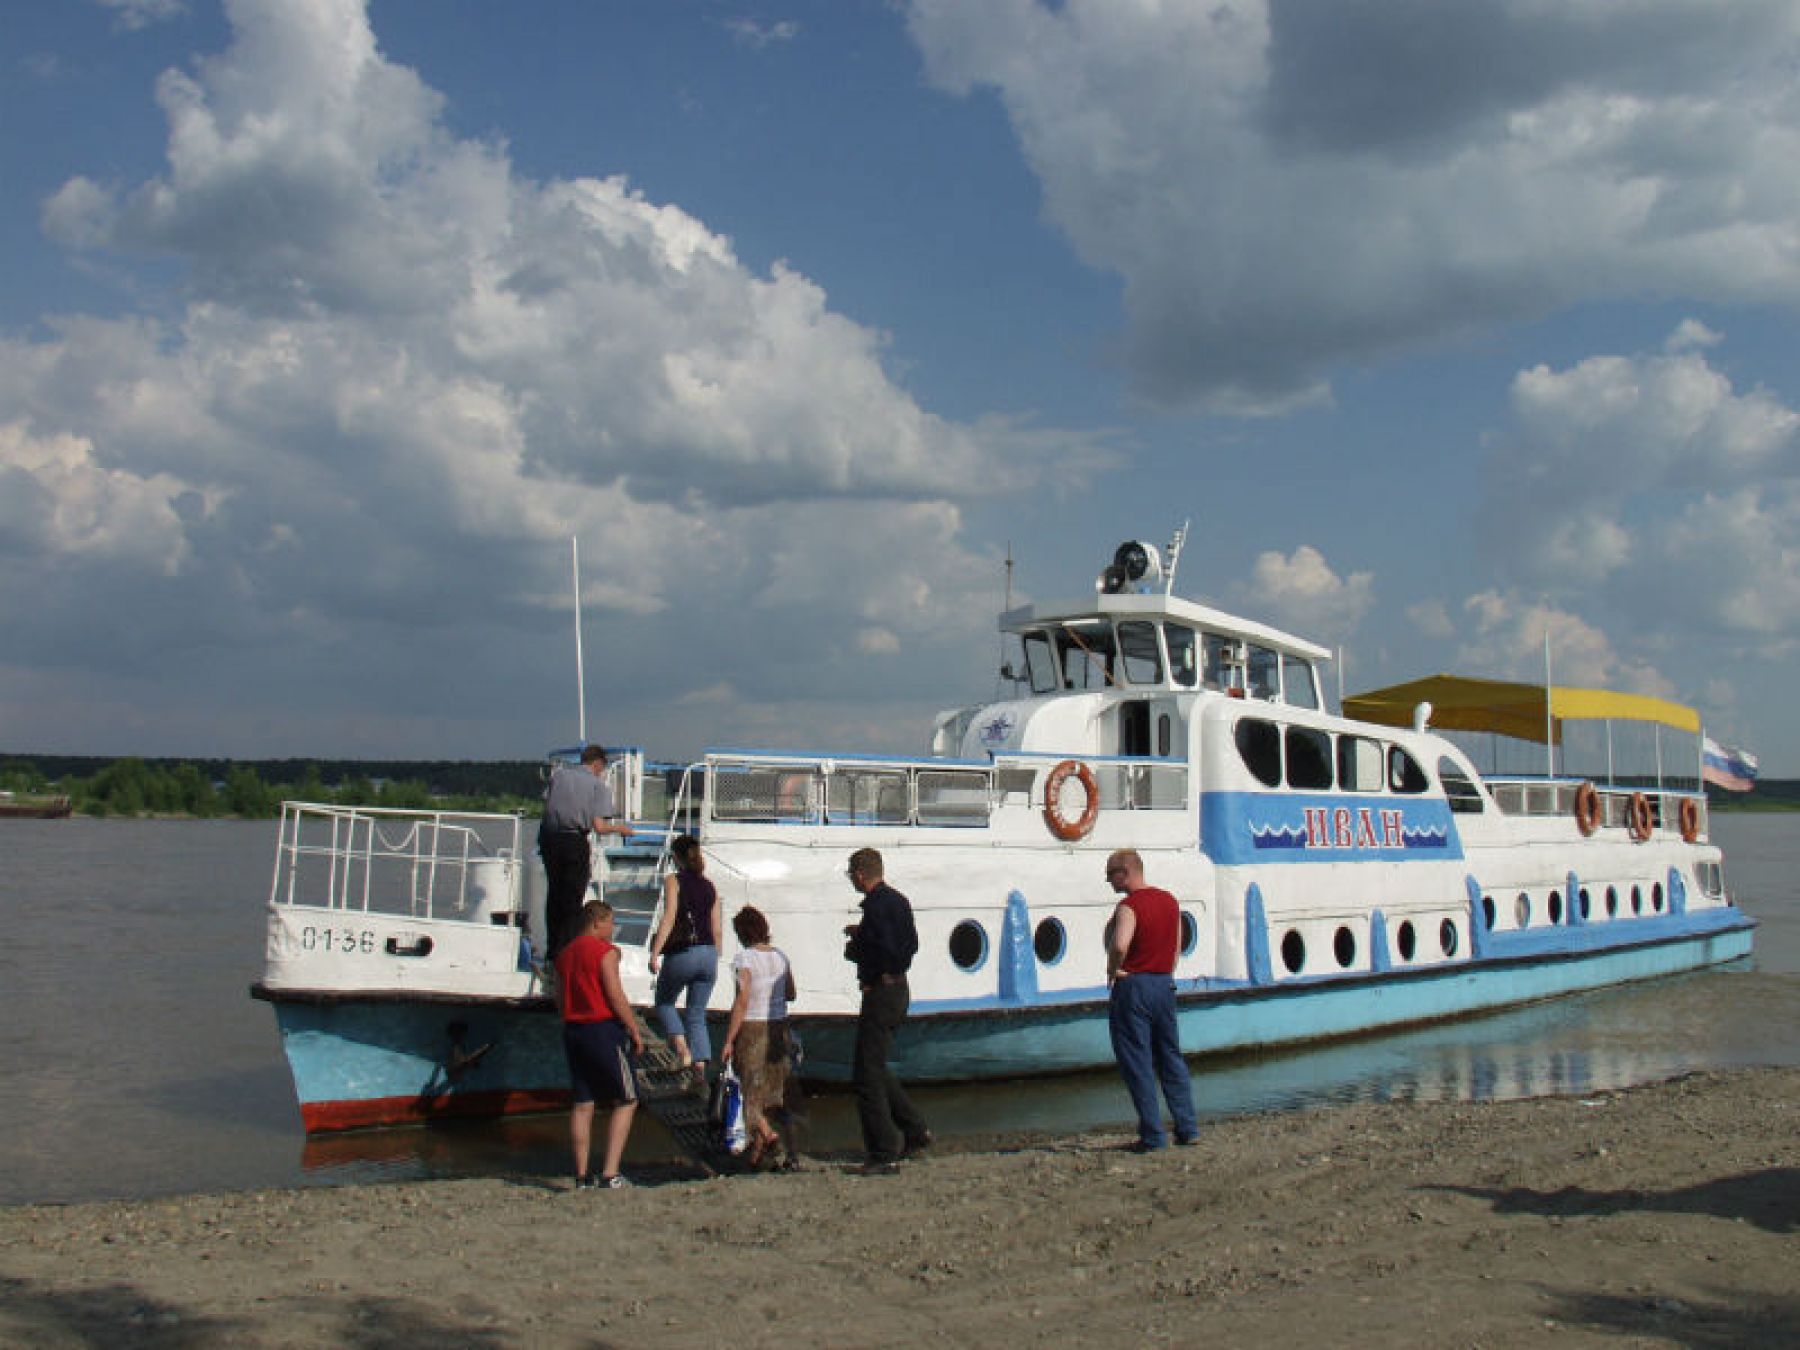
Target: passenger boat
[1338, 874]
[34, 806]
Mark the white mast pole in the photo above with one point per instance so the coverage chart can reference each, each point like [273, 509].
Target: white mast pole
[580, 679]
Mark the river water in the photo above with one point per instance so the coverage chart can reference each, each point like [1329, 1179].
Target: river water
[133, 1062]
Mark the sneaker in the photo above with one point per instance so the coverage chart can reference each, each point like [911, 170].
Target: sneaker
[587, 1183]
[1188, 1142]
[879, 1167]
[1141, 1146]
[616, 1182]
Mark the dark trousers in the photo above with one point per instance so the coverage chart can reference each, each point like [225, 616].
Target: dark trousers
[889, 1119]
[567, 868]
[1147, 1044]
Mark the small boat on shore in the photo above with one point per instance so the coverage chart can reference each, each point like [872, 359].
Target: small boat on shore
[34, 806]
[1338, 873]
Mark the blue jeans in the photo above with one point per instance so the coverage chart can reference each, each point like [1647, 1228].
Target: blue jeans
[695, 970]
[1141, 1017]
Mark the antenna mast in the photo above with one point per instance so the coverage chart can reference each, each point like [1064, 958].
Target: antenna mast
[580, 678]
[1175, 544]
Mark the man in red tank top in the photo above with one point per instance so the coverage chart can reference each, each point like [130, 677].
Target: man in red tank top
[601, 1041]
[1142, 941]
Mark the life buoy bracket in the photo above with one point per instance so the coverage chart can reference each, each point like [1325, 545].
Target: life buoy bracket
[1637, 817]
[1060, 825]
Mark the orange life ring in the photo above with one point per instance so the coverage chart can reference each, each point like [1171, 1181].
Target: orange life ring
[1689, 817]
[1060, 825]
[1587, 808]
[1637, 816]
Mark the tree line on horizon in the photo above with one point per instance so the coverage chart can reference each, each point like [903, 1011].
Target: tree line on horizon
[255, 789]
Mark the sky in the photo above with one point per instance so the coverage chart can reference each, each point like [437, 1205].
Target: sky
[326, 325]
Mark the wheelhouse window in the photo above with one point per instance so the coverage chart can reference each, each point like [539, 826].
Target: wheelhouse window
[1297, 681]
[1308, 758]
[1259, 746]
[1184, 664]
[1464, 796]
[1221, 667]
[1359, 764]
[1040, 663]
[1140, 653]
[1086, 654]
[1264, 673]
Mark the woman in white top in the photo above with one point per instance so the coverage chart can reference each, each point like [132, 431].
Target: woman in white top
[756, 1041]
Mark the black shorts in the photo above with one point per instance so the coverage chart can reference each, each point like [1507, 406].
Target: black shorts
[600, 1066]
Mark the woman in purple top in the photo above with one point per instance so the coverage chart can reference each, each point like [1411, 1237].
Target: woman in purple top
[684, 954]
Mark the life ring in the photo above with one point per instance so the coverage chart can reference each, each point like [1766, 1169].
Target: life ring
[1689, 818]
[1587, 808]
[1060, 825]
[1637, 816]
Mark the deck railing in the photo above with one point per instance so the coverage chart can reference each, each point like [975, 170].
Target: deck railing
[1528, 796]
[421, 864]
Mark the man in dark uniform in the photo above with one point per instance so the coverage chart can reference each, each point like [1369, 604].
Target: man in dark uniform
[578, 800]
[882, 946]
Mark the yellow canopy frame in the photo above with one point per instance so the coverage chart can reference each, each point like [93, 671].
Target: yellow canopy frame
[1459, 703]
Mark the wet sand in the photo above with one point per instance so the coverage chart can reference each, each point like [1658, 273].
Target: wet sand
[1663, 1215]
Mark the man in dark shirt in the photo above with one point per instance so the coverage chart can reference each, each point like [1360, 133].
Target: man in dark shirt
[882, 946]
[577, 800]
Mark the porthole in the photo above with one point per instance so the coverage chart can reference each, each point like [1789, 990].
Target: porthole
[1293, 951]
[1583, 902]
[1487, 912]
[1447, 937]
[1050, 941]
[1406, 941]
[1612, 901]
[1190, 934]
[1522, 911]
[1656, 897]
[1343, 947]
[968, 945]
[1555, 907]
[1637, 899]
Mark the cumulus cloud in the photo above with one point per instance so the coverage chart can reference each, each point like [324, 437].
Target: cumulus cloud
[1506, 641]
[1303, 593]
[403, 375]
[1286, 186]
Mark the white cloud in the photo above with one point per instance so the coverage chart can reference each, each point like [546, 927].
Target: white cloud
[404, 375]
[134, 14]
[1288, 187]
[1302, 592]
[1507, 642]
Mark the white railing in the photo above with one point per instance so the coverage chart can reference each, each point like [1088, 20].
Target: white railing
[421, 864]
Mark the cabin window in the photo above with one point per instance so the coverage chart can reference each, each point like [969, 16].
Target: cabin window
[1040, 664]
[1264, 674]
[1464, 796]
[1087, 655]
[1359, 764]
[1050, 941]
[1140, 653]
[1308, 758]
[968, 945]
[1297, 680]
[1222, 663]
[1184, 665]
[1259, 746]
[1165, 738]
[1404, 773]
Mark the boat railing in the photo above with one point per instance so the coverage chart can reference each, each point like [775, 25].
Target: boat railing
[418, 864]
[773, 788]
[1536, 796]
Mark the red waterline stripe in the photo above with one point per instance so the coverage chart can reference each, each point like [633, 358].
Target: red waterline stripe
[325, 1117]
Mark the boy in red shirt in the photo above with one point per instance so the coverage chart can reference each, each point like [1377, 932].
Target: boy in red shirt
[602, 1042]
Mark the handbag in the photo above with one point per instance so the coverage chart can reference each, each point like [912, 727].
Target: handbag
[730, 1092]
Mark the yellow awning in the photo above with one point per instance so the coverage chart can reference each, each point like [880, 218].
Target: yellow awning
[1462, 704]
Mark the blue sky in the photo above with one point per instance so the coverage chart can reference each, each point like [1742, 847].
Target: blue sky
[324, 326]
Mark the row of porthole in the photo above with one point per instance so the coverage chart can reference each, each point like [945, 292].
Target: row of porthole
[1050, 942]
[1343, 945]
[1522, 908]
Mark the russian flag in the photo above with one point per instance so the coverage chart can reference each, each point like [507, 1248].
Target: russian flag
[1734, 770]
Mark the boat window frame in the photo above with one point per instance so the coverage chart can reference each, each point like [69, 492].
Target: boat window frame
[1310, 741]
[1127, 658]
[1260, 660]
[1185, 672]
[1292, 662]
[1041, 667]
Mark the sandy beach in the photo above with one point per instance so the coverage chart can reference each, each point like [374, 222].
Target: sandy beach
[1663, 1215]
